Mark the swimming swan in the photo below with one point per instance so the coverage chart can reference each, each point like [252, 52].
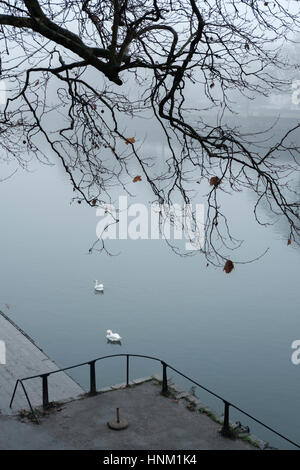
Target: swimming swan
[98, 287]
[112, 336]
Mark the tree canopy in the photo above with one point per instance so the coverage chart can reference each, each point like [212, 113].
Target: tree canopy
[76, 71]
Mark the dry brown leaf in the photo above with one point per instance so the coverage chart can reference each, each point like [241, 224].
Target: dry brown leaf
[289, 241]
[214, 181]
[228, 267]
[137, 178]
[130, 140]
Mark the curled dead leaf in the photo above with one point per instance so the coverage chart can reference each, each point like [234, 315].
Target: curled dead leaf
[214, 181]
[289, 241]
[228, 267]
[137, 178]
[130, 140]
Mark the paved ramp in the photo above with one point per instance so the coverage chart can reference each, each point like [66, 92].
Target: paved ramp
[24, 358]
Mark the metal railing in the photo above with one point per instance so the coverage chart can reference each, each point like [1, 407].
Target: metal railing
[226, 430]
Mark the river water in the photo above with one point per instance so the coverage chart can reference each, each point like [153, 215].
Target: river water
[232, 333]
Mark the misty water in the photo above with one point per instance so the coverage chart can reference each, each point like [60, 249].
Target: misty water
[232, 333]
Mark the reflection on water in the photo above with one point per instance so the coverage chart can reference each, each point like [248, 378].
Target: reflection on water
[232, 333]
[118, 343]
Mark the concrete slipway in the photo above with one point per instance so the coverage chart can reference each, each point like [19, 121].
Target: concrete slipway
[79, 421]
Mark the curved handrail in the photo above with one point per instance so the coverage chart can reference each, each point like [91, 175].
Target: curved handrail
[88, 362]
[91, 363]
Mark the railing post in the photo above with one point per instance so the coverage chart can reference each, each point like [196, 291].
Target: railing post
[13, 395]
[29, 402]
[226, 428]
[45, 390]
[127, 370]
[92, 378]
[164, 390]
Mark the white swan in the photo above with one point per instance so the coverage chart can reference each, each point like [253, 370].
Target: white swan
[112, 336]
[99, 287]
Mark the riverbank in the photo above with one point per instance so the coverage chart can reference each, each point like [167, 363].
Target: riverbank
[25, 358]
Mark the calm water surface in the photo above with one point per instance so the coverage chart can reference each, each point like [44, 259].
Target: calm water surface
[232, 333]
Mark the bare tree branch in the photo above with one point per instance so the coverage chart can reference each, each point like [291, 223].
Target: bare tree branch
[67, 66]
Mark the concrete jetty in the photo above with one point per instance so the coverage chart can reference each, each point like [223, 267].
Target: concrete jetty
[79, 421]
[155, 422]
[25, 358]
